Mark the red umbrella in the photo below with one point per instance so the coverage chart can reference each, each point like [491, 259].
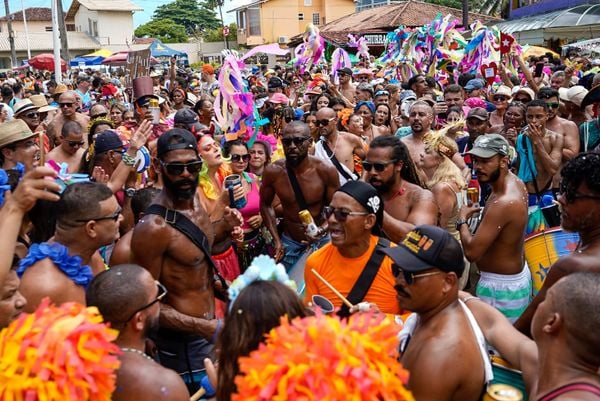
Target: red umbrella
[45, 61]
[120, 59]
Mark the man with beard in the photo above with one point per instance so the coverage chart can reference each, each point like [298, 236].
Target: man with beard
[540, 152]
[579, 199]
[128, 298]
[497, 245]
[427, 266]
[316, 182]
[187, 324]
[390, 169]
[566, 128]
[420, 119]
[337, 148]
[68, 112]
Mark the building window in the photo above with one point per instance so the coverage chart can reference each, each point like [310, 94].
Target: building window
[300, 16]
[70, 27]
[253, 22]
[307, 3]
[48, 29]
[316, 19]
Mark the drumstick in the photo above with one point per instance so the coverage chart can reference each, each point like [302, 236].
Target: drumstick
[198, 394]
[332, 288]
[42, 149]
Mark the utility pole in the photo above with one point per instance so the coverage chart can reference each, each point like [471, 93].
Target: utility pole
[55, 43]
[220, 4]
[64, 45]
[26, 30]
[465, 14]
[11, 36]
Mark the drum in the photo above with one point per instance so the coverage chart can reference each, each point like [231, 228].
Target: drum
[544, 248]
[504, 374]
[296, 273]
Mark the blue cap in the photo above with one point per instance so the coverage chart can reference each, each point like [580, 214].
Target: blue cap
[474, 84]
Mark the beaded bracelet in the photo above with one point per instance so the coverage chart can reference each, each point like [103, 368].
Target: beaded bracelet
[128, 160]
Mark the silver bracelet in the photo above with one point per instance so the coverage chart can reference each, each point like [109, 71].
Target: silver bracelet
[467, 299]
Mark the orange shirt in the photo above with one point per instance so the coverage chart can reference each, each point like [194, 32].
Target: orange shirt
[342, 273]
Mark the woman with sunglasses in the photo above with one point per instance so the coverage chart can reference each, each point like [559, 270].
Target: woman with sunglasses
[500, 99]
[254, 242]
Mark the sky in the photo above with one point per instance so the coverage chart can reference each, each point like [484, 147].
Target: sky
[139, 17]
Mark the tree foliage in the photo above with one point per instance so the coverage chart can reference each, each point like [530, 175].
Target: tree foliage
[164, 29]
[216, 35]
[189, 14]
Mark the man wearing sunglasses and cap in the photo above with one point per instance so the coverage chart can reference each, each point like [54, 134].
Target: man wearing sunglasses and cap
[354, 217]
[316, 183]
[188, 327]
[440, 343]
[128, 297]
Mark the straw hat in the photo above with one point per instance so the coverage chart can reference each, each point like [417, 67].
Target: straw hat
[14, 131]
[60, 89]
[23, 106]
[40, 102]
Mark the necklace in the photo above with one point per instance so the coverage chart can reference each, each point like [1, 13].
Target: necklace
[137, 351]
[399, 193]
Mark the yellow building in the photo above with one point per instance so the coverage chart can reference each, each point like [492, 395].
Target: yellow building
[276, 21]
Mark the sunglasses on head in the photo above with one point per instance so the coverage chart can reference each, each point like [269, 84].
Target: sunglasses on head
[114, 217]
[177, 168]
[378, 166]
[409, 277]
[341, 215]
[162, 292]
[75, 143]
[296, 140]
[553, 105]
[240, 158]
[324, 122]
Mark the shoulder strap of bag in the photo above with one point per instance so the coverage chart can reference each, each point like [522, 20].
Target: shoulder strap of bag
[185, 226]
[529, 162]
[365, 280]
[336, 162]
[296, 187]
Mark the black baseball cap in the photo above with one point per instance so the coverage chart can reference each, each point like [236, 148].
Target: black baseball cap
[426, 247]
[346, 71]
[188, 118]
[107, 140]
[173, 139]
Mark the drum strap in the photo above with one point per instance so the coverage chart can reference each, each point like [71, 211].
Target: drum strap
[362, 285]
[538, 193]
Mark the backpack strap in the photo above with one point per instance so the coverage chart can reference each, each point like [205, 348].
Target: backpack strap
[366, 278]
[336, 162]
[296, 187]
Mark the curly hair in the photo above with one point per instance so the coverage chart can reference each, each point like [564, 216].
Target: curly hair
[583, 168]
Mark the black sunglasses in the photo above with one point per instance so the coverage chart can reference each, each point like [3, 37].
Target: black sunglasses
[114, 217]
[162, 292]
[65, 104]
[378, 166]
[572, 195]
[409, 277]
[553, 105]
[297, 140]
[99, 115]
[237, 158]
[33, 114]
[177, 168]
[75, 143]
[341, 215]
[500, 98]
[324, 122]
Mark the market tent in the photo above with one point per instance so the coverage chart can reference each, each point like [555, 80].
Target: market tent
[159, 49]
[104, 53]
[86, 61]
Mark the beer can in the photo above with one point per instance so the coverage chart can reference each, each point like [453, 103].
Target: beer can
[230, 182]
[502, 392]
[308, 221]
[155, 110]
[473, 195]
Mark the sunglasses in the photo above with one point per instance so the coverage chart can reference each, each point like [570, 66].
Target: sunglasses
[341, 215]
[342, 74]
[409, 277]
[177, 168]
[500, 98]
[65, 104]
[571, 196]
[296, 82]
[114, 217]
[99, 115]
[75, 143]
[324, 122]
[378, 166]
[382, 93]
[553, 105]
[240, 158]
[33, 114]
[297, 140]
[162, 292]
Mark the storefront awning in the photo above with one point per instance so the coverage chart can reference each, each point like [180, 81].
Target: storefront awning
[582, 15]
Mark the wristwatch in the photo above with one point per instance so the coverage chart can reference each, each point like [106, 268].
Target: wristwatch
[460, 222]
[130, 192]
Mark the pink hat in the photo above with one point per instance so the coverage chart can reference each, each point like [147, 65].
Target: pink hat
[279, 98]
[364, 71]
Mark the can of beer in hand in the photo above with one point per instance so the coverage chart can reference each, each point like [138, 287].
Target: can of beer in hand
[473, 195]
[308, 221]
[232, 181]
[502, 392]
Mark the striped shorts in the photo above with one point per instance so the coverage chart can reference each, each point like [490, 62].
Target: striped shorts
[510, 294]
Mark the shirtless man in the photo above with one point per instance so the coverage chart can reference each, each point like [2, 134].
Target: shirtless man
[563, 362]
[341, 145]
[579, 199]
[87, 217]
[428, 265]
[70, 149]
[547, 150]
[68, 112]
[187, 324]
[345, 90]
[128, 298]
[568, 129]
[390, 169]
[497, 245]
[420, 119]
[317, 180]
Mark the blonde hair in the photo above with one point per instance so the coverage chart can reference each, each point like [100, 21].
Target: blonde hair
[447, 171]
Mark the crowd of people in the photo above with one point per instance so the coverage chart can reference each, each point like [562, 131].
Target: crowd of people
[378, 194]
